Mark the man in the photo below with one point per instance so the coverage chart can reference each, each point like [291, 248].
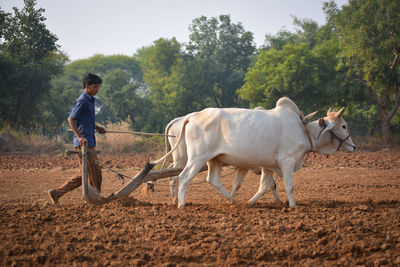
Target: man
[82, 122]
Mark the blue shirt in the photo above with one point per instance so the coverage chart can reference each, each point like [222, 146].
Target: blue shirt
[83, 113]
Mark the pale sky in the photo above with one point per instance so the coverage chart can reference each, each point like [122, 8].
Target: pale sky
[88, 27]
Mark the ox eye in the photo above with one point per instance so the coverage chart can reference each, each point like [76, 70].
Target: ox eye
[344, 127]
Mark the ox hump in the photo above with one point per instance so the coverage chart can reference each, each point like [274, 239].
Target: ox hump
[287, 103]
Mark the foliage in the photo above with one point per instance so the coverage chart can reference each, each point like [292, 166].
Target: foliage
[149, 144]
[350, 61]
[369, 33]
[292, 71]
[119, 97]
[224, 50]
[303, 69]
[29, 57]
[157, 62]
[206, 72]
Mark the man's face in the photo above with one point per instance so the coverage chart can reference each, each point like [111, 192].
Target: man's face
[92, 89]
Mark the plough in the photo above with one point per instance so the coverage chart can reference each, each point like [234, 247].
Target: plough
[91, 195]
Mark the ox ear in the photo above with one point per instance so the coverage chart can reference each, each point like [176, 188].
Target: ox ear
[339, 113]
[327, 128]
[310, 116]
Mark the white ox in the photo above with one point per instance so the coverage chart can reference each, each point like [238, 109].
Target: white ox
[179, 156]
[275, 139]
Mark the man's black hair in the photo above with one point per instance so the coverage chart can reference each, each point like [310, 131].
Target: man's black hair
[90, 79]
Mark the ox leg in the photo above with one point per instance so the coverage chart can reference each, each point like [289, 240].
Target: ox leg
[188, 173]
[240, 173]
[214, 178]
[266, 181]
[173, 186]
[287, 172]
[273, 190]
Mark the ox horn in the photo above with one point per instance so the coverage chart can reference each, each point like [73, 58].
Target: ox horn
[339, 113]
[310, 116]
[306, 119]
[329, 111]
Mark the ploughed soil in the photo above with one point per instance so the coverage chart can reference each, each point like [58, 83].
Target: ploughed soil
[347, 214]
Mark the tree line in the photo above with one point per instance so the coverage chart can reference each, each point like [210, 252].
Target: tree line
[351, 60]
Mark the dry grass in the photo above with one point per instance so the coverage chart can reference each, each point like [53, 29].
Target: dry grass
[374, 143]
[116, 142]
[12, 141]
[367, 143]
[126, 143]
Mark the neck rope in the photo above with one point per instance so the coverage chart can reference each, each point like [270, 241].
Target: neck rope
[333, 135]
[305, 122]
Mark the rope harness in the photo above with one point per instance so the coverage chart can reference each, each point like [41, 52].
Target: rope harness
[118, 174]
[322, 124]
[333, 135]
[305, 122]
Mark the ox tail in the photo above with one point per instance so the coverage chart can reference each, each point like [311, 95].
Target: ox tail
[166, 138]
[181, 135]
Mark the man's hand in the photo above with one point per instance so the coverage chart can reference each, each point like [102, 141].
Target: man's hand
[82, 140]
[72, 123]
[100, 130]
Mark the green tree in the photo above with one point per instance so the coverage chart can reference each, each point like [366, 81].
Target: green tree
[369, 33]
[279, 40]
[224, 50]
[307, 31]
[30, 54]
[298, 64]
[295, 71]
[120, 97]
[68, 86]
[101, 64]
[205, 72]
[158, 63]
[304, 66]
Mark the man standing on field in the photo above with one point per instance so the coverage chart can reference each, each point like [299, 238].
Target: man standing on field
[82, 122]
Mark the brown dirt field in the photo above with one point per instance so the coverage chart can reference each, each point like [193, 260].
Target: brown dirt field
[348, 214]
